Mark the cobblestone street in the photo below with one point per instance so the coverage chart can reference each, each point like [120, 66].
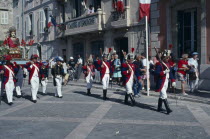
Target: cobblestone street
[78, 116]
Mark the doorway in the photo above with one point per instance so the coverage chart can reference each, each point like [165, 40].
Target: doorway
[121, 44]
[187, 31]
[78, 49]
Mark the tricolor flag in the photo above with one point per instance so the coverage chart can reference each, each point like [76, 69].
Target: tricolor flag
[51, 22]
[144, 9]
[120, 6]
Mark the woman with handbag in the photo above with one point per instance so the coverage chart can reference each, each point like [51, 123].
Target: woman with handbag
[193, 73]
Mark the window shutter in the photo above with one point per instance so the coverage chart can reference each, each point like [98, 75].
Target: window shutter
[2, 18]
[34, 25]
[40, 22]
[27, 25]
[6, 17]
[44, 19]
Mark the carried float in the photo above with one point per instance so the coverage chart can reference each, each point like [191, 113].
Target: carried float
[12, 46]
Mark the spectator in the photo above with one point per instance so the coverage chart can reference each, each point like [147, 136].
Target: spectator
[145, 74]
[173, 69]
[71, 63]
[117, 69]
[79, 67]
[193, 73]
[97, 70]
[137, 86]
[66, 77]
[91, 9]
[182, 71]
[71, 68]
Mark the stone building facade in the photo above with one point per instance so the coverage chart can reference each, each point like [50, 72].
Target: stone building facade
[6, 18]
[183, 24]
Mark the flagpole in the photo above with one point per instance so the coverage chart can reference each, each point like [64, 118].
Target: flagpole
[147, 55]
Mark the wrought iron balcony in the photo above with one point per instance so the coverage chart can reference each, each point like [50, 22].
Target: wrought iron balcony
[84, 24]
[120, 19]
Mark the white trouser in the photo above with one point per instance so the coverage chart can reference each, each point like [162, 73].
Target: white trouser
[18, 90]
[129, 86]
[44, 85]
[194, 85]
[58, 81]
[163, 92]
[89, 81]
[105, 81]
[34, 87]
[9, 87]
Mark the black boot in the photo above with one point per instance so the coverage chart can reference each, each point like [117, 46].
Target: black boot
[160, 101]
[126, 99]
[104, 95]
[88, 92]
[167, 106]
[132, 99]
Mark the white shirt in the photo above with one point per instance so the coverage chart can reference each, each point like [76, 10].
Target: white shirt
[144, 62]
[193, 62]
[65, 67]
[79, 61]
[90, 11]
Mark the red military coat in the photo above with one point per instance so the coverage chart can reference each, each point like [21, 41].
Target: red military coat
[31, 68]
[103, 69]
[125, 71]
[86, 70]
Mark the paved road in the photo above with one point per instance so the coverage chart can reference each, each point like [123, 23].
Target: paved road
[77, 116]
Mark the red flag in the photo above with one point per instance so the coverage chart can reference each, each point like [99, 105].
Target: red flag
[120, 6]
[144, 9]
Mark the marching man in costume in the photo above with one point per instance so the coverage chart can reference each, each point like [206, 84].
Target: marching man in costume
[58, 73]
[128, 70]
[162, 72]
[105, 74]
[9, 78]
[34, 74]
[44, 77]
[89, 71]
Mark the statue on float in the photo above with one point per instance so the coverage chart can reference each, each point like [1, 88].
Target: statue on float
[13, 44]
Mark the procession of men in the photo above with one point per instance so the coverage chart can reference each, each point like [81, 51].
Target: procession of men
[38, 75]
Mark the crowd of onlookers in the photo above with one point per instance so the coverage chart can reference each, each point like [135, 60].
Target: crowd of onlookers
[184, 70]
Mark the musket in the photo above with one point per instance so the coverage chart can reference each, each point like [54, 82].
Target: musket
[101, 52]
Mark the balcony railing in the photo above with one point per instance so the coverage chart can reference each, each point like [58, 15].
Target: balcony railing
[120, 19]
[88, 23]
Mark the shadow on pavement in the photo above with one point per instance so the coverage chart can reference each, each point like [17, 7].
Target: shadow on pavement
[120, 101]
